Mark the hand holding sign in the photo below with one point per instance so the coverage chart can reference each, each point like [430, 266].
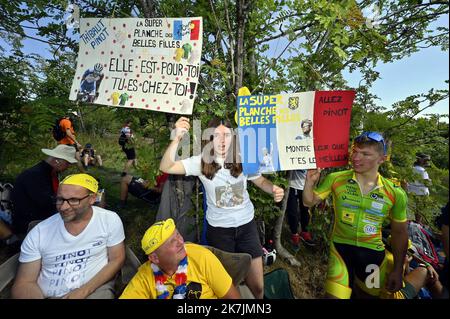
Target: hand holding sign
[182, 126]
[312, 176]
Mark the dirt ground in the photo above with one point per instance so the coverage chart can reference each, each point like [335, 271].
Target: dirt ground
[307, 281]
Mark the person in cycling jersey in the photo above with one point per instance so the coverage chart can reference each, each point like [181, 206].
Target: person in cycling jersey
[363, 202]
[90, 83]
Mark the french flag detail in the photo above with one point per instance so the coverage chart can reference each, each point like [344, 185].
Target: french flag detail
[183, 28]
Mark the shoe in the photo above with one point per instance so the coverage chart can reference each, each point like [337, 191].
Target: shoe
[307, 238]
[295, 240]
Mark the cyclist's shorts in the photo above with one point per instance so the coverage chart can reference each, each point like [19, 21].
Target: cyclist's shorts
[347, 262]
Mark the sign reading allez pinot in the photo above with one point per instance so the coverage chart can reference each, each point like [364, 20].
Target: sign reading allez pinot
[294, 131]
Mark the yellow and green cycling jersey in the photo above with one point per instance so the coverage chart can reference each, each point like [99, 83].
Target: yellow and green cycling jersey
[359, 218]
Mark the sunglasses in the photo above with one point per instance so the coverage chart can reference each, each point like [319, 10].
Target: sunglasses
[374, 136]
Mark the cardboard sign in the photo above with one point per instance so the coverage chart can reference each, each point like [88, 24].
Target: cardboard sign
[151, 64]
[294, 131]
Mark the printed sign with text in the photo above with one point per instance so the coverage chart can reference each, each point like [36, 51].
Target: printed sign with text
[294, 131]
[151, 64]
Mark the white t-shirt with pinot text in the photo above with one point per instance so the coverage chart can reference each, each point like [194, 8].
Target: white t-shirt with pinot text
[67, 261]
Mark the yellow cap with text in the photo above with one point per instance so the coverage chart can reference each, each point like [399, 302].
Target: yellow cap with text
[83, 180]
[157, 234]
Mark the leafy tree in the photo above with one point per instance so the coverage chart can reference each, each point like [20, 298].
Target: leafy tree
[271, 46]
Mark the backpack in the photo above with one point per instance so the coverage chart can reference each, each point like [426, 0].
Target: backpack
[423, 243]
[57, 131]
[122, 139]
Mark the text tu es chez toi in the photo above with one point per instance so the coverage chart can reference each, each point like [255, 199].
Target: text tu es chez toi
[118, 65]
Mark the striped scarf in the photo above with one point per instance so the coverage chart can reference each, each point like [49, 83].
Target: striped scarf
[180, 281]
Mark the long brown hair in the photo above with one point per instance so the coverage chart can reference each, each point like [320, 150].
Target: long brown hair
[231, 159]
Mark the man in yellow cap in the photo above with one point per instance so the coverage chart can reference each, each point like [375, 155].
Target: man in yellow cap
[73, 254]
[176, 270]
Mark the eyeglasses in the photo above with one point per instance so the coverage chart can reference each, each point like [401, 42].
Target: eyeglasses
[59, 201]
[374, 136]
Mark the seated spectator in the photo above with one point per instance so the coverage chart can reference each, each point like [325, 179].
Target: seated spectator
[141, 189]
[176, 270]
[74, 254]
[34, 188]
[423, 276]
[88, 156]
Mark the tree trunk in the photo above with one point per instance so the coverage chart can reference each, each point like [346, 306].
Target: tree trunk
[241, 20]
[83, 129]
[278, 229]
[148, 8]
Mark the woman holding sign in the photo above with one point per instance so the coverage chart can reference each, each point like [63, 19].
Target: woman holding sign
[230, 214]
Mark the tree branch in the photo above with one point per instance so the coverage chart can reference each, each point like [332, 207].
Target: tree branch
[410, 118]
[31, 37]
[228, 48]
[283, 33]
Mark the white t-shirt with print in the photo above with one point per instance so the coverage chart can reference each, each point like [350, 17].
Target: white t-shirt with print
[297, 179]
[67, 261]
[418, 187]
[227, 197]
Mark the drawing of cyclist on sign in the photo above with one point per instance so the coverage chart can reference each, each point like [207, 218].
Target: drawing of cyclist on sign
[266, 165]
[90, 84]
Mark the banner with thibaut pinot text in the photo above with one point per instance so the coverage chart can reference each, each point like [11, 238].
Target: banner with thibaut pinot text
[294, 131]
[151, 64]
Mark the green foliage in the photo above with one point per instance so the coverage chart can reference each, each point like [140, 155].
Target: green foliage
[321, 222]
[99, 120]
[265, 207]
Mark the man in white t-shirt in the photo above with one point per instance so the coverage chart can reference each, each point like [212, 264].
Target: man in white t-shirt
[420, 186]
[74, 254]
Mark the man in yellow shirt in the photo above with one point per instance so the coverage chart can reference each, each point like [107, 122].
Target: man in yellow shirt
[176, 270]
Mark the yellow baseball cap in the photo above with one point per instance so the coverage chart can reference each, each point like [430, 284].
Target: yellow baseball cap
[157, 234]
[83, 180]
